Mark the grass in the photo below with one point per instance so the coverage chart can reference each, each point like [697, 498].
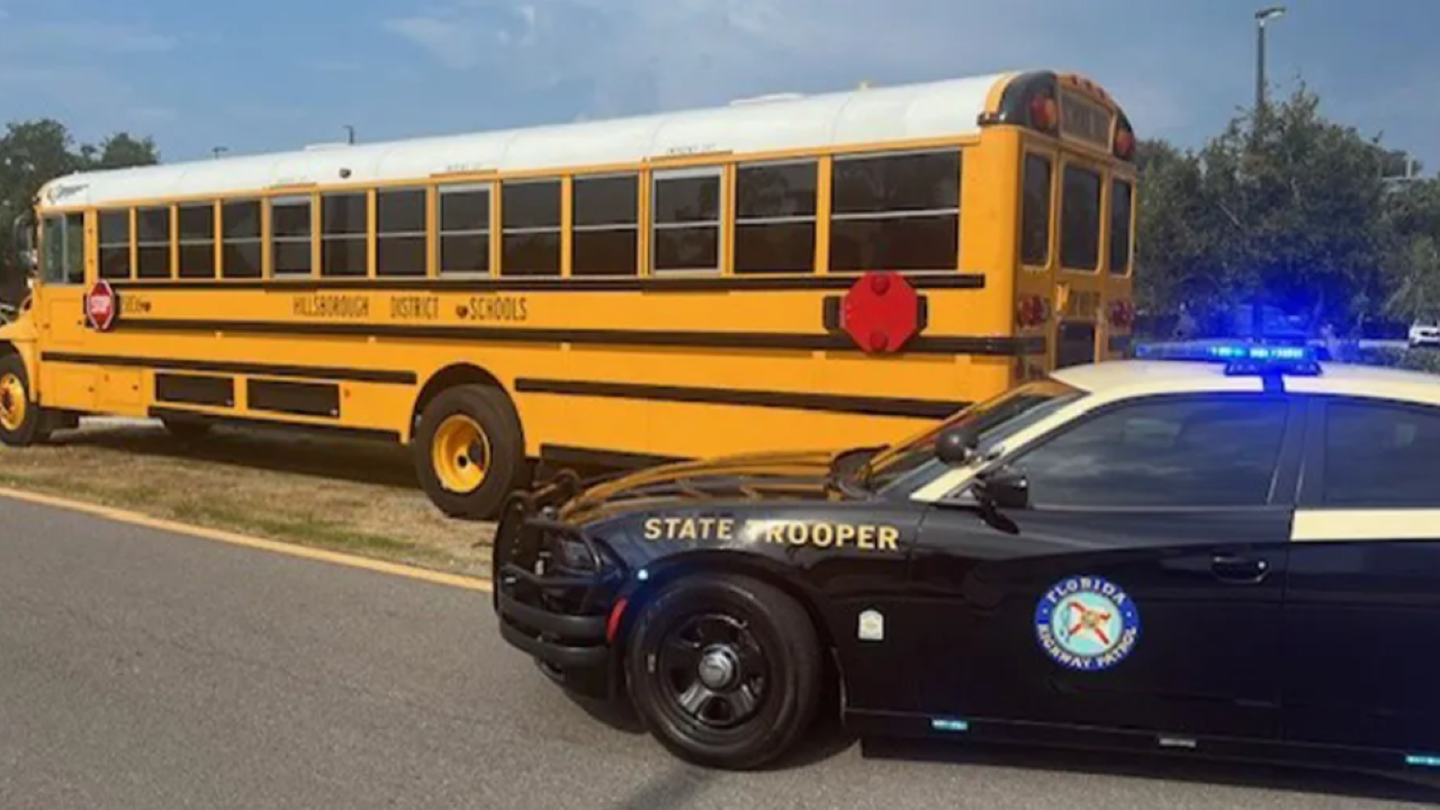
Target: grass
[354, 497]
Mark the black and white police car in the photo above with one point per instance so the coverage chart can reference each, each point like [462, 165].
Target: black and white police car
[1236, 555]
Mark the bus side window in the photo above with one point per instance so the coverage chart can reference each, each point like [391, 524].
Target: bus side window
[1035, 216]
[115, 244]
[1080, 220]
[197, 240]
[63, 258]
[775, 217]
[530, 228]
[291, 236]
[153, 228]
[465, 229]
[402, 220]
[896, 212]
[606, 238]
[688, 209]
[344, 234]
[1121, 194]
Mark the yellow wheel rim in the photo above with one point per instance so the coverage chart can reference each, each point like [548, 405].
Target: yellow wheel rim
[460, 454]
[12, 402]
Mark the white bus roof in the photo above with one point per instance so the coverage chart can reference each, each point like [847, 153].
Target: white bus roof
[771, 123]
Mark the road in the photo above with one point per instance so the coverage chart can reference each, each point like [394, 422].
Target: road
[142, 669]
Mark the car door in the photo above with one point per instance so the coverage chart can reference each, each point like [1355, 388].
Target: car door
[1362, 606]
[1139, 588]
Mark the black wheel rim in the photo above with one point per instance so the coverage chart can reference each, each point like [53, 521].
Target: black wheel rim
[712, 671]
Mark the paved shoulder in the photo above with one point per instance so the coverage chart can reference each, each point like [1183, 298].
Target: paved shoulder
[141, 668]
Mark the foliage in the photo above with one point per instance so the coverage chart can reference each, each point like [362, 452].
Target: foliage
[34, 152]
[1292, 214]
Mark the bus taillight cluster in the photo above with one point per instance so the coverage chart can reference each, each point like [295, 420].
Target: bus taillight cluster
[1032, 311]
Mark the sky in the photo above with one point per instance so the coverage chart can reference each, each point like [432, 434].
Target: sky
[264, 75]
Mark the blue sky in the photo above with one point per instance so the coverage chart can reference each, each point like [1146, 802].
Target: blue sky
[262, 75]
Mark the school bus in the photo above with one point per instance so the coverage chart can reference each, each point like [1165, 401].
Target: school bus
[775, 274]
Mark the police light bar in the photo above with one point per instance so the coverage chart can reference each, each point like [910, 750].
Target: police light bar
[1240, 359]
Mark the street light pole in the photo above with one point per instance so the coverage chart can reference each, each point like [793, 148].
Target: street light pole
[1261, 17]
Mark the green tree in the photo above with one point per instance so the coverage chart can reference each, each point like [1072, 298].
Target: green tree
[33, 153]
[1292, 215]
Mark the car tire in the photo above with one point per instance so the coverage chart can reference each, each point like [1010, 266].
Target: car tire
[469, 479]
[764, 637]
[22, 421]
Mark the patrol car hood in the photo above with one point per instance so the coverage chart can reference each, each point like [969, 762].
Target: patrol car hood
[744, 478]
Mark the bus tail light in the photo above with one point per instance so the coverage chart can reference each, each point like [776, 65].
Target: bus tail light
[1124, 140]
[1122, 314]
[1032, 311]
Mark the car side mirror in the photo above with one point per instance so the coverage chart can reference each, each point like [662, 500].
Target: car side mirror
[956, 447]
[1004, 488]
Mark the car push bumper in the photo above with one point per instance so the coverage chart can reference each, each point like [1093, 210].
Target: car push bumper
[555, 589]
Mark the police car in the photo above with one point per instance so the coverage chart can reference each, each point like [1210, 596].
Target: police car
[1230, 555]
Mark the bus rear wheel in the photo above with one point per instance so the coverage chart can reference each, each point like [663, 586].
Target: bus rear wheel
[22, 422]
[468, 451]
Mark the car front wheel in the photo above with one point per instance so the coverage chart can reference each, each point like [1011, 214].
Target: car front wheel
[724, 670]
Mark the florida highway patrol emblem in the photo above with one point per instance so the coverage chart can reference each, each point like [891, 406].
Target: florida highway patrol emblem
[1087, 623]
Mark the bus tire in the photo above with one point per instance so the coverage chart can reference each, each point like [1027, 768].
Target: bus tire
[22, 421]
[468, 451]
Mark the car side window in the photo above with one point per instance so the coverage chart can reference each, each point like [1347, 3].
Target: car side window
[1174, 453]
[1381, 455]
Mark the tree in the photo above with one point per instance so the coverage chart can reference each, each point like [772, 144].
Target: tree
[1291, 215]
[33, 153]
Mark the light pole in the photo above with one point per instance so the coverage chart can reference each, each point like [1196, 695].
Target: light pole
[350, 134]
[1262, 16]
[219, 150]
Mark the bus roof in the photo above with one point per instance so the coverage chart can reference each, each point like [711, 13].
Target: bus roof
[915, 111]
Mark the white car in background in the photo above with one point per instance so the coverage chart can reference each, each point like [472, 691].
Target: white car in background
[1425, 333]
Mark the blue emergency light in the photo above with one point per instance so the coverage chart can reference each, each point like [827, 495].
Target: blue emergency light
[1240, 359]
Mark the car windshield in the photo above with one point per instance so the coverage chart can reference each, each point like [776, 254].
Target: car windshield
[993, 421]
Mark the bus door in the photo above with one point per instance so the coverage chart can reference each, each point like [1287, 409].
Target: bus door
[1080, 279]
[59, 308]
[1035, 285]
[1119, 311]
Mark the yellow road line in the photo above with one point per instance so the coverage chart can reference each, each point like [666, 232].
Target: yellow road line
[234, 538]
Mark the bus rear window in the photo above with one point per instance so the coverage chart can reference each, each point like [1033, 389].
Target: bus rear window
[1080, 219]
[1035, 220]
[1120, 201]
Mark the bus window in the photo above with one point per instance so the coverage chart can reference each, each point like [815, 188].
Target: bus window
[240, 221]
[401, 223]
[606, 228]
[465, 229]
[63, 260]
[197, 240]
[1121, 194]
[153, 232]
[115, 244]
[775, 217]
[1080, 219]
[1035, 218]
[344, 234]
[687, 213]
[530, 211]
[292, 234]
[896, 212]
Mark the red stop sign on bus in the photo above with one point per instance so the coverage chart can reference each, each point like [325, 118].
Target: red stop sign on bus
[101, 306]
[882, 312]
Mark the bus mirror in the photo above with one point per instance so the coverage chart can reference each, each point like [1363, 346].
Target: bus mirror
[23, 240]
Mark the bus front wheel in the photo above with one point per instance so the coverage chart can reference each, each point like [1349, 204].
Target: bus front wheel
[468, 451]
[22, 421]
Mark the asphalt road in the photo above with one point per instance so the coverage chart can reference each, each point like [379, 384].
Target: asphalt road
[149, 670]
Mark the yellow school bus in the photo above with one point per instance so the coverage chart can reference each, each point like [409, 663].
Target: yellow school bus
[778, 273]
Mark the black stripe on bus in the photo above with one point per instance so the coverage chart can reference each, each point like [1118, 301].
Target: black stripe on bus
[338, 431]
[307, 372]
[938, 281]
[563, 455]
[871, 406]
[300, 399]
[987, 346]
[187, 389]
